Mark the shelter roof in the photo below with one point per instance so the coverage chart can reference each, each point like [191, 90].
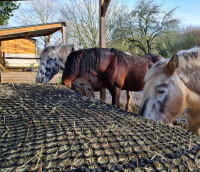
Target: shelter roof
[30, 31]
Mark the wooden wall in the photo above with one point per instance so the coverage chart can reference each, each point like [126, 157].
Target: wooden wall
[19, 46]
[24, 77]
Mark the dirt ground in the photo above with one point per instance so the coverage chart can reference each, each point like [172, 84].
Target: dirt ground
[135, 106]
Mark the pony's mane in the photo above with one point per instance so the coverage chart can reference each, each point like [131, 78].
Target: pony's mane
[128, 58]
[186, 58]
[190, 54]
[91, 57]
[156, 69]
[90, 60]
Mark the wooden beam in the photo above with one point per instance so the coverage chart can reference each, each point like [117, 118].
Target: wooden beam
[13, 31]
[104, 7]
[102, 26]
[63, 30]
[27, 34]
[102, 38]
[31, 35]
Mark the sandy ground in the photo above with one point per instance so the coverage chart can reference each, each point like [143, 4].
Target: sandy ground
[136, 101]
[137, 97]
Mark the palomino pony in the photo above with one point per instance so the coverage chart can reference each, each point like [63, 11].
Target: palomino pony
[171, 86]
[116, 69]
[154, 58]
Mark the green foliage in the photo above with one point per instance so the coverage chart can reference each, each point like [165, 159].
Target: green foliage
[149, 22]
[168, 43]
[190, 37]
[6, 11]
[174, 41]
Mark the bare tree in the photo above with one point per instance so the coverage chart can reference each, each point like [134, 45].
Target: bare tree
[148, 21]
[82, 21]
[40, 12]
[82, 18]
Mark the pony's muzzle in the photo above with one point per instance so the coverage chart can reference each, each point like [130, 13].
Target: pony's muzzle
[66, 84]
[143, 108]
[41, 79]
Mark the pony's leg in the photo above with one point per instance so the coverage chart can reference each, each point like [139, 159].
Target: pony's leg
[129, 96]
[103, 94]
[194, 121]
[116, 92]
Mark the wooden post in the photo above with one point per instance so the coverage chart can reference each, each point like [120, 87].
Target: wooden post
[48, 40]
[1, 60]
[64, 34]
[4, 61]
[102, 27]
[103, 5]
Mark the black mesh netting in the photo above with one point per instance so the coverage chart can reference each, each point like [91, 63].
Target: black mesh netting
[50, 128]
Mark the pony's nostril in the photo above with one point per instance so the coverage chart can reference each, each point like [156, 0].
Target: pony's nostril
[69, 86]
[41, 79]
[142, 109]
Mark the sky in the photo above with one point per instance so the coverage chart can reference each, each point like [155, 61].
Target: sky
[187, 10]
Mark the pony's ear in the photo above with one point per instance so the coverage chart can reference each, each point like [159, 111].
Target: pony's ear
[72, 49]
[80, 53]
[172, 65]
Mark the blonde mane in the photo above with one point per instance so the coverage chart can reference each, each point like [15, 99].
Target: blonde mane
[187, 58]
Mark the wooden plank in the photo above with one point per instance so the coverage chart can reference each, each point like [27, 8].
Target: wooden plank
[21, 55]
[19, 46]
[22, 58]
[27, 34]
[24, 77]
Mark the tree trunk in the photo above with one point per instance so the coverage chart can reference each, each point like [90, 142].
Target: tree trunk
[149, 47]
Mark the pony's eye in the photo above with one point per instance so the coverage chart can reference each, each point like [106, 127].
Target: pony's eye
[161, 91]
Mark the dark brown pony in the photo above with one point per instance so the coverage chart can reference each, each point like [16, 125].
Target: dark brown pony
[116, 69]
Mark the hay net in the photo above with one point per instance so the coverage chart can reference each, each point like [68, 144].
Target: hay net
[49, 128]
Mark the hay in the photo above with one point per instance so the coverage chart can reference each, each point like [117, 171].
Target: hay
[48, 127]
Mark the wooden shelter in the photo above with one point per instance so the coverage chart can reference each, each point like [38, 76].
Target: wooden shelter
[27, 32]
[19, 53]
[16, 44]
